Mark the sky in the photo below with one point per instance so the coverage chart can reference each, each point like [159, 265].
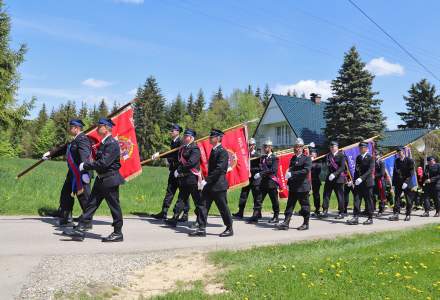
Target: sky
[105, 49]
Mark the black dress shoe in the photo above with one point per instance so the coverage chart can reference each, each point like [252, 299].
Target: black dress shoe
[379, 214]
[339, 216]
[183, 219]
[171, 222]
[83, 226]
[199, 232]
[407, 218]
[284, 225]
[74, 234]
[238, 215]
[160, 216]
[353, 221]
[437, 214]
[303, 227]
[274, 220]
[113, 237]
[227, 232]
[324, 214]
[252, 220]
[317, 213]
[425, 214]
[76, 219]
[394, 217]
[194, 225]
[369, 221]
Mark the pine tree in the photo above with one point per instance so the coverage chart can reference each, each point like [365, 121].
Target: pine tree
[103, 109]
[149, 117]
[83, 111]
[294, 93]
[199, 105]
[216, 97]
[61, 120]
[266, 95]
[249, 90]
[45, 139]
[115, 107]
[258, 93]
[353, 114]
[289, 93]
[190, 106]
[176, 112]
[94, 114]
[422, 107]
[41, 119]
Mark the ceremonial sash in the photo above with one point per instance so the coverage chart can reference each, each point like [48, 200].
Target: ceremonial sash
[265, 167]
[184, 161]
[77, 187]
[331, 160]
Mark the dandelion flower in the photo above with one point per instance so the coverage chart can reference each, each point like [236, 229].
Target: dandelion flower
[397, 274]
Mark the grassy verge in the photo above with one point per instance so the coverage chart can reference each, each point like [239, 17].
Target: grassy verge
[391, 265]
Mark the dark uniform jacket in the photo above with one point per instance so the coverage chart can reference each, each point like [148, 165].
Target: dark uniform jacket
[173, 158]
[268, 171]
[107, 163]
[432, 173]
[379, 168]
[255, 168]
[403, 172]
[80, 147]
[316, 172]
[217, 168]
[365, 169]
[189, 162]
[299, 168]
[338, 169]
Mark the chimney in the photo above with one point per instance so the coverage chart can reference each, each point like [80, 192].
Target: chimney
[316, 98]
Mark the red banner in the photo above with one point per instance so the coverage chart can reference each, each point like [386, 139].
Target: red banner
[124, 132]
[235, 141]
[283, 166]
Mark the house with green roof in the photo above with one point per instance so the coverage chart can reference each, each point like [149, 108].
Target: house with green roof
[286, 118]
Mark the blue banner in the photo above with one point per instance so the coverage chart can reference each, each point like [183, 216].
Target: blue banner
[351, 155]
[389, 164]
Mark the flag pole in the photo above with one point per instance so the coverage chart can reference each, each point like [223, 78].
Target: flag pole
[40, 161]
[349, 146]
[144, 162]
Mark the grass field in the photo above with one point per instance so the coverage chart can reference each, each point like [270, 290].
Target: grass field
[391, 265]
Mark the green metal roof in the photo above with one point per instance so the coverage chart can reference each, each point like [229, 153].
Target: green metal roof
[402, 137]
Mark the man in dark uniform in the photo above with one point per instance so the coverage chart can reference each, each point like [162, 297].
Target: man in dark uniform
[254, 184]
[215, 186]
[77, 182]
[379, 194]
[335, 180]
[431, 186]
[268, 185]
[106, 186]
[299, 181]
[402, 181]
[316, 182]
[188, 176]
[363, 182]
[173, 162]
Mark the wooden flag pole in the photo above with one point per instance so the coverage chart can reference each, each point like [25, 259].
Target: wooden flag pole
[144, 162]
[27, 170]
[349, 146]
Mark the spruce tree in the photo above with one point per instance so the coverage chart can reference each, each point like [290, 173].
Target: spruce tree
[289, 93]
[83, 111]
[94, 114]
[266, 95]
[199, 105]
[176, 111]
[41, 119]
[149, 117]
[353, 113]
[218, 96]
[258, 93]
[249, 90]
[422, 107]
[103, 109]
[115, 107]
[190, 106]
[61, 120]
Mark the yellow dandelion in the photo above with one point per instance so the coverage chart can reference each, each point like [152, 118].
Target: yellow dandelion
[250, 275]
[293, 267]
[397, 274]
[380, 273]
[407, 263]
[303, 274]
[428, 298]
[338, 275]
[405, 267]
[269, 270]
[333, 266]
[284, 267]
[321, 271]
[415, 272]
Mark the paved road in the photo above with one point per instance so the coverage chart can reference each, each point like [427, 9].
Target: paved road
[25, 241]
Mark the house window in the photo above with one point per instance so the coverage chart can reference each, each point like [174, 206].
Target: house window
[283, 135]
[279, 136]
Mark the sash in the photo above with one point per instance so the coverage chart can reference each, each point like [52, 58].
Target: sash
[192, 170]
[265, 168]
[77, 187]
[332, 162]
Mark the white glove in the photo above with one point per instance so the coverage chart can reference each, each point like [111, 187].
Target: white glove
[85, 178]
[404, 186]
[428, 181]
[358, 181]
[257, 176]
[288, 175]
[155, 156]
[46, 156]
[202, 184]
[81, 167]
[176, 174]
[350, 183]
[331, 177]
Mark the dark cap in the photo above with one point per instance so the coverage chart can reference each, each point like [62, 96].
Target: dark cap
[363, 144]
[106, 122]
[400, 148]
[190, 132]
[429, 158]
[216, 132]
[76, 122]
[334, 143]
[176, 127]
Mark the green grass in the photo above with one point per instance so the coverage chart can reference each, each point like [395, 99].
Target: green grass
[39, 190]
[391, 265]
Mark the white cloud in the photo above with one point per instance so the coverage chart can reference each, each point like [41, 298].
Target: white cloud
[130, 1]
[96, 83]
[307, 87]
[381, 67]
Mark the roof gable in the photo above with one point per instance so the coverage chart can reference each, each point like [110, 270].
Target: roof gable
[402, 137]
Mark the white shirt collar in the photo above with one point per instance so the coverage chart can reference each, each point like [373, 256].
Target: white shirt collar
[175, 139]
[363, 155]
[102, 142]
[77, 135]
[215, 147]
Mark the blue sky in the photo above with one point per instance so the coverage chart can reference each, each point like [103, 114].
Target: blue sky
[89, 50]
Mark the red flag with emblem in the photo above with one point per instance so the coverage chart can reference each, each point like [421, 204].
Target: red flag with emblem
[235, 141]
[283, 166]
[124, 132]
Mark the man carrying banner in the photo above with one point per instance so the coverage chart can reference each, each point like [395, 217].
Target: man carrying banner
[335, 180]
[254, 184]
[173, 162]
[215, 185]
[402, 181]
[431, 186]
[106, 186]
[77, 182]
[316, 182]
[269, 184]
[363, 182]
[299, 182]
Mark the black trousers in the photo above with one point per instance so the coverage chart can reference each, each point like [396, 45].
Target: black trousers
[316, 186]
[111, 196]
[221, 201]
[364, 192]
[430, 192]
[303, 199]
[244, 194]
[200, 204]
[347, 190]
[66, 199]
[409, 195]
[273, 195]
[171, 190]
[338, 188]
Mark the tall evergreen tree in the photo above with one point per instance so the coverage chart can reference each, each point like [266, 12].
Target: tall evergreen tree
[45, 139]
[258, 93]
[61, 120]
[115, 106]
[149, 117]
[422, 107]
[190, 106]
[218, 96]
[266, 95]
[94, 114]
[249, 90]
[289, 93]
[294, 93]
[103, 109]
[199, 105]
[353, 113]
[42, 118]
[176, 111]
[83, 111]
